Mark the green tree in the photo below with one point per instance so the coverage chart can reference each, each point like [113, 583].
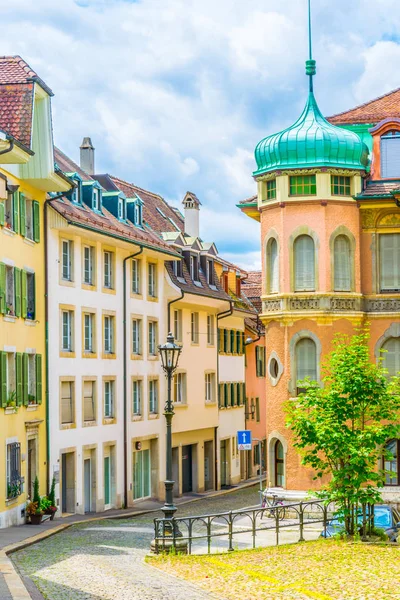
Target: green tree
[52, 494]
[36, 495]
[341, 428]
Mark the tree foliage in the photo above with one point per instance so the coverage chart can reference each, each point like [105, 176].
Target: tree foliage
[341, 428]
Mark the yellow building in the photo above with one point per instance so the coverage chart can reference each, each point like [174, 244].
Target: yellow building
[27, 172]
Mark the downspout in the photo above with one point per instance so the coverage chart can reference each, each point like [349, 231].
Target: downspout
[169, 309]
[125, 378]
[10, 147]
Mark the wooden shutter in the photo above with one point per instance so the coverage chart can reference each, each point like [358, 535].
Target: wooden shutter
[2, 213]
[17, 291]
[36, 221]
[16, 212]
[2, 288]
[18, 377]
[226, 395]
[342, 265]
[306, 359]
[258, 410]
[390, 156]
[24, 294]
[304, 264]
[263, 360]
[389, 245]
[273, 267]
[3, 379]
[22, 214]
[25, 379]
[38, 368]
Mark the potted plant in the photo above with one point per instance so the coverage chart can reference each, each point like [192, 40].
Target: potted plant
[34, 512]
[10, 310]
[12, 399]
[48, 503]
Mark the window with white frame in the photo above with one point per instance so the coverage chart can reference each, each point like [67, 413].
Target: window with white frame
[88, 265]
[390, 154]
[306, 361]
[11, 377]
[178, 325]
[177, 267]
[108, 269]
[152, 280]
[180, 388]
[121, 209]
[272, 266]
[136, 336]
[29, 219]
[210, 271]
[194, 327]
[89, 401]
[13, 475]
[152, 338]
[109, 324]
[96, 199]
[304, 264]
[210, 387]
[66, 260]
[11, 198]
[391, 356]
[137, 397]
[210, 330]
[136, 268]
[153, 396]
[10, 290]
[342, 264]
[389, 251]
[67, 318]
[88, 330]
[67, 407]
[109, 390]
[31, 378]
[30, 295]
[194, 267]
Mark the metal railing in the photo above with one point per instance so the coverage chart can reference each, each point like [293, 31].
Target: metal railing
[227, 527]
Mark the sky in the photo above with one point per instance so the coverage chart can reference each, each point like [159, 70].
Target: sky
[175, 94]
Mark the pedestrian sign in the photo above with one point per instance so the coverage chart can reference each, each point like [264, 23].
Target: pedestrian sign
[244, 440]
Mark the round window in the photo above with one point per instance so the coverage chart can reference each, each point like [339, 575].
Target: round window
[274, 368]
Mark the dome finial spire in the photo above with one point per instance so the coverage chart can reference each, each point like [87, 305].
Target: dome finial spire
[310, 63]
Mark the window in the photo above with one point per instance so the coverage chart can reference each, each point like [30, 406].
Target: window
[178, 325]
[109, 399]
[391, 356]
[389, 247]
[306, 361]
[303, 185]
[238, 286]
[260, 361]
[109, 334]
[96, 199]
[177, 268]
[272, 266]
[392, 465]
[108, 269]
[66, 263]
[11, 199]
[67, 330]
[152, 338]
[342, 264]
[88, 326]
[136, 266]
[152, 281]
[153, 396]
[137, 396]
[180, 388]
[340, 186]
[279, 464]
[258, 410]
[31, 364]
[271, 189]
[11, 377]
[89, 401]
[67, 403]
[225, 282]
[194, 328]
[88, 264]
[76, 193]
[390, 154]
[210, 272]
[121, 209]
[10, 290]
[14, 479]
[194, 268]
[136, 336]
[137, 214]
[26, 217]
[210, 330]
[28, 284]
[210, 387]
[304, 264]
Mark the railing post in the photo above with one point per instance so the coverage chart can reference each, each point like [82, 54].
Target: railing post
[190, 535]
[301, 515]
[208, 535]
[364, 526]
[325, 518]
[254, 520]
[277, 525]
[173, 532]
[230, 549]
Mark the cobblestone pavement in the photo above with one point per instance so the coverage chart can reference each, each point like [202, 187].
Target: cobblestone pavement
[4, 591]
[104, 560]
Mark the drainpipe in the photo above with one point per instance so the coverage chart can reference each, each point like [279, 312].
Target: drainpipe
[253, 340]
[10, 147]
[169, 309]
[125, 379]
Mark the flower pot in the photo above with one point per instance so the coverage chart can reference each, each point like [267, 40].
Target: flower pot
[36, 519]
[51, 511]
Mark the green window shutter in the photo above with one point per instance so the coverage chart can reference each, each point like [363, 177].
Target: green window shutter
[258, 410]
[16, 212]
[2, 213]
[38, 379]
[24, 295]
[243, 344]
[225, 347]
[3, 379]
[17, 291]
[226, 395]
[2, 288]
[256, 349]
[22, 214]
[263, 361]
[220, 395]
[18, 377]
[36, 221]
[25, 379]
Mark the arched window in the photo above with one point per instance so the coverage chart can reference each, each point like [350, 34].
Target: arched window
[272, 266]
[279, 464]
[391, 465]
[389, 251]
[306, 361]
[391, 358]
[342, 264]
[304, 264]
[390, 154]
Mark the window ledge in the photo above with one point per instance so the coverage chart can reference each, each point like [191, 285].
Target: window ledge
[108, 291]
[197, 283]
[66, 354]
[9, 318]
[153, 416]
[180, 405]
[152, 357]
[152, 298]
[90, 287]
[31, 322]
[89, 354]
[109, 420]
[137, 295]
[29, 242]
[8, 231]
[10, 501]
[64, 426]
[67, 282]
[109, 355]
[32, 407]
[10, 410]
[137, 417]
[89, 423]
[210, 403]
[136, 356]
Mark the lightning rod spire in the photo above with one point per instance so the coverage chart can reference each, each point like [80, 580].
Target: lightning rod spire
[310, 63]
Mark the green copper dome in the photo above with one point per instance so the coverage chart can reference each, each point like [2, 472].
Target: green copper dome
[311, 142]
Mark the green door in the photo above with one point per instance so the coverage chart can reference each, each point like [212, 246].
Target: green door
[107, 480]
[141, 474]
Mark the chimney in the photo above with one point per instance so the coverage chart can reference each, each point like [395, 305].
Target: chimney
[192, 212]
[87, 156]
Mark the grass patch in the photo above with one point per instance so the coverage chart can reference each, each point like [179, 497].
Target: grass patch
[320, 570]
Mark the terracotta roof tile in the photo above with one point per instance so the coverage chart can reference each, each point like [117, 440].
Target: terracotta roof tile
[252, 288]
[379, 188]
[16, 111]
[69, 166]
[250, 200]
[13, 69]
[190, 287]
[372, 112]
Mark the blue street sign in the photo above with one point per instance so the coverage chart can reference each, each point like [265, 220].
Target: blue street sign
[244, 440]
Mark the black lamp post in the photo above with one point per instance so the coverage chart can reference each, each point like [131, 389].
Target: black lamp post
[169, 354]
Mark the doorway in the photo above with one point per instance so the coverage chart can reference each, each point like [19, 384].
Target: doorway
[279, 465]
[208, 466]
[175, 470]
[141, 474]
[187, 479]
[87, 484]
[224, 468]
[107, 481]
[32, 462]
[68, 482]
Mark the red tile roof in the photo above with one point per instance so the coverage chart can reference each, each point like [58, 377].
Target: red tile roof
[379, 188]
[16, 111]
[372, 112]
[249, 200]
[252, 288]
[13, 69]
[69, 166]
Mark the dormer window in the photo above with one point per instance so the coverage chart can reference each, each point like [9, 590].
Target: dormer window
[137, 214]
[210, 272]
[238, 286]
[76, 193]
[224, 282]
[177, 268]
[96, 199]
[121, 209]
[194, 268]
[390, 154]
